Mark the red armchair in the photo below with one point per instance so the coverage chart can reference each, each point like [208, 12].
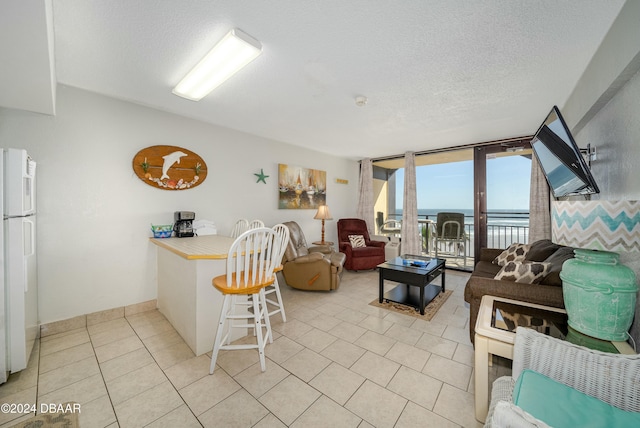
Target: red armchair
[359, 258]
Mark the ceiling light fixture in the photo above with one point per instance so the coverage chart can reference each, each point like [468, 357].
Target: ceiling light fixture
[233, 52]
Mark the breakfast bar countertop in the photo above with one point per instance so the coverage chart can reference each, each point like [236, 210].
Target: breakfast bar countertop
[197, 247]
[185, 268]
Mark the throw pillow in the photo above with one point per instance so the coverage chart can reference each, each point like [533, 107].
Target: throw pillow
[524, 272]
[357, 241]
[556, 260]
[515, 253]
[539, 396]
[540, 250]
[507, 414]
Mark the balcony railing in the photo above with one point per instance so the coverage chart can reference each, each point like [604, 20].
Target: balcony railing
[503, 229]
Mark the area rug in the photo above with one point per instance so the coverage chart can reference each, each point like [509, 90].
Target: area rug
[51, 420]
[429, 311]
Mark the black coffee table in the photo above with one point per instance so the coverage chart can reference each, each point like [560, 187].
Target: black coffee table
[416, 274]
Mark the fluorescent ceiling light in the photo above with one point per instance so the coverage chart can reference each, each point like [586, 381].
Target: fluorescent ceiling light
[233, 52]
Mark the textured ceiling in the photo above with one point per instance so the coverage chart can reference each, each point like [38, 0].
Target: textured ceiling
[437, 73]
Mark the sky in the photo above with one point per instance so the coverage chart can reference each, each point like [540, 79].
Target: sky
[450, 185]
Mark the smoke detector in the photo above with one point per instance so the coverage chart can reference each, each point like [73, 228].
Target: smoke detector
[361, 101]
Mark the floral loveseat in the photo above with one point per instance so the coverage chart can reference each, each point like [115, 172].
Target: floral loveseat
[529, 273]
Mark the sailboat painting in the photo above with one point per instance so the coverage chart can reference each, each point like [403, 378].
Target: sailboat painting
[301, 188]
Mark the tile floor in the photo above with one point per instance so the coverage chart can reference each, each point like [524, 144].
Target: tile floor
[336, 362]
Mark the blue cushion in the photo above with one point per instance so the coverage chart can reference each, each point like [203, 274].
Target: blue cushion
[561, 406]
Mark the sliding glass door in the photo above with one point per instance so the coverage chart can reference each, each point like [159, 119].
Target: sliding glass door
[502, 186]
[487, 184]
[444, 184]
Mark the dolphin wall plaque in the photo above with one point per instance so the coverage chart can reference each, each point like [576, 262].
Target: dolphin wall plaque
[169, 167]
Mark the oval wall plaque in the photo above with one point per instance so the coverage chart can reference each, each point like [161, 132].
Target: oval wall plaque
[169, 167]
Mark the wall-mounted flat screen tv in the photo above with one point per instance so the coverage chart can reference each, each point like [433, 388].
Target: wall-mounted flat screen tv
[559, 156]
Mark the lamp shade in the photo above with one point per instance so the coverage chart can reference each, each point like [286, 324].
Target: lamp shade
[323, 213]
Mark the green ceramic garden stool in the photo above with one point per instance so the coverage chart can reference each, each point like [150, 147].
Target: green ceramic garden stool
[599, 294]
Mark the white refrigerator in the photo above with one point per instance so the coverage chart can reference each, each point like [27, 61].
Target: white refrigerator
[19, 324]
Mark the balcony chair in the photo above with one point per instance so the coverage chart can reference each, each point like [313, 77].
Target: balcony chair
[251, 261]
[449, 238]
[583, 387]
[354, 241]
[388, 227]
[310, 268]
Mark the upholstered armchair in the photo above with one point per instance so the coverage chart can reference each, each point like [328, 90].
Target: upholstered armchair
[310, 268]
[354, 241]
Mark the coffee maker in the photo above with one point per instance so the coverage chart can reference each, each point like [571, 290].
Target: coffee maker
[183, 226]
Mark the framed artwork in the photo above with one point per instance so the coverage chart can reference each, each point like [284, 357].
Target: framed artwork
[169, 167]
[301, 188]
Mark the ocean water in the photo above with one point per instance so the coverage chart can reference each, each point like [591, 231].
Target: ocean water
[496, 218]
[503, 227]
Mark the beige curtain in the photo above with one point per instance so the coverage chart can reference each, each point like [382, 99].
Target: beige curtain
[411, 242]
[365, 194]
[539, 204]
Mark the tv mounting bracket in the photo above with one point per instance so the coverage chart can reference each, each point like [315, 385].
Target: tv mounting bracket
[589, 154]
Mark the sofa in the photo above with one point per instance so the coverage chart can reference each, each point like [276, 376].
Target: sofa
[310, 268]
[545, 290]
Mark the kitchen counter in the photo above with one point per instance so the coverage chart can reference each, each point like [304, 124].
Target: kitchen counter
[185, 268]
[198, 247]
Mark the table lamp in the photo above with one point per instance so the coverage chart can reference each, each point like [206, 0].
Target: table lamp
[323, 214]
[599, 292]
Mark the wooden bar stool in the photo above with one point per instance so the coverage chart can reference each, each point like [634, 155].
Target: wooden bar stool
[241, 226]
[250, 268]
[256, 223]
[282, 239]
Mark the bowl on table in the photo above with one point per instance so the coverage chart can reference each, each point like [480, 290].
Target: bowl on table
[162, 231]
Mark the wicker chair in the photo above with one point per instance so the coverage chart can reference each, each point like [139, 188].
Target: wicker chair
[611, 378]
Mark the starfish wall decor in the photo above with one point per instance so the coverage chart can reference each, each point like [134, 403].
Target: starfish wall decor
[261, 177]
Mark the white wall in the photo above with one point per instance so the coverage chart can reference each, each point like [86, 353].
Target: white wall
[614, 63]
[94, 214]
[603, 110]
[615, 131]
